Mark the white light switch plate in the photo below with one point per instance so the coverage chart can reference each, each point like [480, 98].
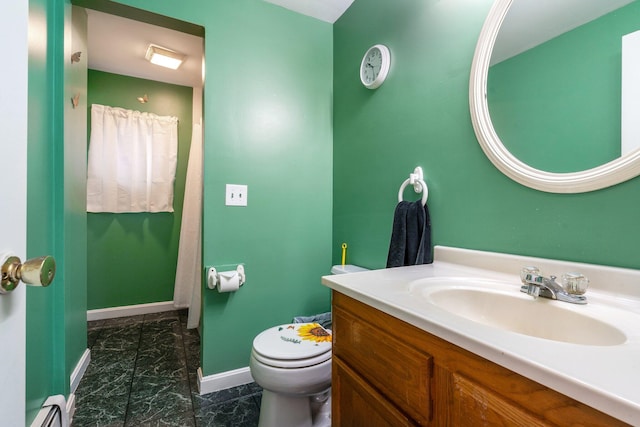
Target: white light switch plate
[236, 195]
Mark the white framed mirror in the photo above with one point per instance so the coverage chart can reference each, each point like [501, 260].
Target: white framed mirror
[612, 172]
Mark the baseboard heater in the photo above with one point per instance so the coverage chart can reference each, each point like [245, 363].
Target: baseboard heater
[53, 413]
[53, 417]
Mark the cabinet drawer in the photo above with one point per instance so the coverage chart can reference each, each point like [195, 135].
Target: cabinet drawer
[356, 404]
[400, 372]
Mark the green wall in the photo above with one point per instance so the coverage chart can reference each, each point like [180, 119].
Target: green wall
[132, 257]
[420, 116]
[267, 122]
[72, 215]
[268, 126]
[574, 129]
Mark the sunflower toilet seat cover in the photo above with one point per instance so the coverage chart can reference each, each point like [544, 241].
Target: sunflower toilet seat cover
[293, 341]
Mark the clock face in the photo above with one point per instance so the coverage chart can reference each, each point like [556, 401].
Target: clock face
[372, 65]
[375, 66]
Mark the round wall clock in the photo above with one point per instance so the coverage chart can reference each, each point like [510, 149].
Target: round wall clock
[375, 66]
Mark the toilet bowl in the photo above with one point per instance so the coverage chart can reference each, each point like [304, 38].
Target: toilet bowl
[292, 363]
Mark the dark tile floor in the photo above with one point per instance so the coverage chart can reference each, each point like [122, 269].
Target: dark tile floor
[143, 373]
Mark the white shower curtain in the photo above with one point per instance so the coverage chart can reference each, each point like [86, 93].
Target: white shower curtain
[188, 286]
[132, 161]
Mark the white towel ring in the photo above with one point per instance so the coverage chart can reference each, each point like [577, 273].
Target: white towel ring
[417, 180]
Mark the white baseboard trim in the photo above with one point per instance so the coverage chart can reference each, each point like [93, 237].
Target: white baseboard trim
[129, 310]
[79, 370]
[223, 380]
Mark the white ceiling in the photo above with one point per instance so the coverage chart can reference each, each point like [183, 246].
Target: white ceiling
[532, 22]
[325, 10]
[118, 45]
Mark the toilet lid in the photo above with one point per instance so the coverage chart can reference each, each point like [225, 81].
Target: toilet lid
[294, 341]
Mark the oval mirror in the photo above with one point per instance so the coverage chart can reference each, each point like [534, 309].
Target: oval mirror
[537, 144]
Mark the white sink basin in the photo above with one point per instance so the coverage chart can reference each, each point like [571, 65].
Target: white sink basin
[505, 307]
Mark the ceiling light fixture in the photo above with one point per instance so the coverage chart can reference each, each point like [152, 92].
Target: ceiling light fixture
[164, 57]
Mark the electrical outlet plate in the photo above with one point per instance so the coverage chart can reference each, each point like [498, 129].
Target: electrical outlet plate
[236, 195]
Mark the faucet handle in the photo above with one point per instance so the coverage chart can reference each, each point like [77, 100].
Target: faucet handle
[575, 283]
[533, 290]
[528, 272]
[534, 282]
[531, 279]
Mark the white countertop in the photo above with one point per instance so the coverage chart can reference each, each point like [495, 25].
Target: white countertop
[604, 377]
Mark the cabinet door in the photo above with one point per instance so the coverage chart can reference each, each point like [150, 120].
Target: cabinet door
[474, 405]
[356, 404]
[401, 372]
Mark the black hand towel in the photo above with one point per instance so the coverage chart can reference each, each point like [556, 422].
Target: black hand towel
[411, 235]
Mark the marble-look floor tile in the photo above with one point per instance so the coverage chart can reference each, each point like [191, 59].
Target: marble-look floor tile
[163, 315]
[110, 372]
[81, 421]
[192, 353]
[191, 334]
[168, 371]
[100, 415]
[257, 398]
[120, 321]
[161, 333]
[105, 361]
[94, 324]
[92, 336]
[184, 317]
[97, 388]
[164, 322]
[241, 412]
[184, 419]
[125, 337]
[158, 399]
[162, 356]
[222, 396]
[143, 372]
[102, 403]
[103, 393]
[157, 344]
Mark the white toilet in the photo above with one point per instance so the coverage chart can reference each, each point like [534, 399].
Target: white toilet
[292, 363]
[295, 374]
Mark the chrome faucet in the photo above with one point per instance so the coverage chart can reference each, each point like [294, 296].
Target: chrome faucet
[537, 285]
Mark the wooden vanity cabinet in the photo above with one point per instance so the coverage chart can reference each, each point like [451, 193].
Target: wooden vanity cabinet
[389, 373]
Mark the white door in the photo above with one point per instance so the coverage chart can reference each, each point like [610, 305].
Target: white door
[14, 16]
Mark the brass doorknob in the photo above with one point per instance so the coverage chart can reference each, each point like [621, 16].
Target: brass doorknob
[36, 271]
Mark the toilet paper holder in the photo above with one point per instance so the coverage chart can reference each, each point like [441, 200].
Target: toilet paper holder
[213, 276]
